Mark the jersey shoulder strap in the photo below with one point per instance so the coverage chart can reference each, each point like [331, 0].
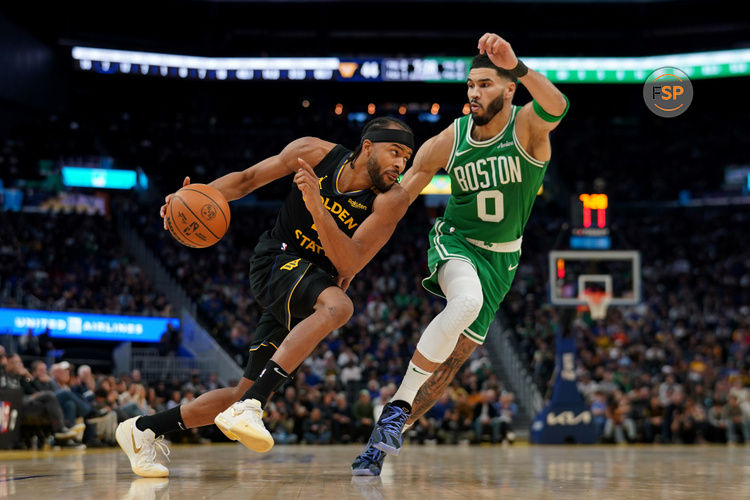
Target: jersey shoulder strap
[459, 130]
[331, 163]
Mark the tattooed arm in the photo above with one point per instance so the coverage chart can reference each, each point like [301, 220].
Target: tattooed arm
[431, 390]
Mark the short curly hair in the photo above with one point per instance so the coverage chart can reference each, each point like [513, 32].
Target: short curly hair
[483, 61]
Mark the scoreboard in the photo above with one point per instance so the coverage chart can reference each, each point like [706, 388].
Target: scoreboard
[589, 217]
[713, 64]
[374, 69]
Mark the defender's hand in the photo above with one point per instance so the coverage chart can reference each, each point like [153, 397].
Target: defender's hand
[167, 199]
[499, 51]
[307, 182]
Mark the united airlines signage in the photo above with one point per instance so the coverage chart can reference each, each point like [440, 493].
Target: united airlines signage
[85, 325]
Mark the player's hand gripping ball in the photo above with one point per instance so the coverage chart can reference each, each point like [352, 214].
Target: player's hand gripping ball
[197, 215]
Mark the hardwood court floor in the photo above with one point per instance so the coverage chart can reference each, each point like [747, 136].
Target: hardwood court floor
[229, 471]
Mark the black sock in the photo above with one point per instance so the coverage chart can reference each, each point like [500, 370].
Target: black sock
[403, 405]
[269, 380]
[162, 422]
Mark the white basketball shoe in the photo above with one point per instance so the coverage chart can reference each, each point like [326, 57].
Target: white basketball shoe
[243, 422]
[140, 447]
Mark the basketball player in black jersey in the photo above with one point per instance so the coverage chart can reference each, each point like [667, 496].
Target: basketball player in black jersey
[343, 207]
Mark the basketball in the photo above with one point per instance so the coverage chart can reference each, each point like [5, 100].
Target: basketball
[198, 216]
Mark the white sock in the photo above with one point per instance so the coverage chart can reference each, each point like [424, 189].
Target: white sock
[413, 380]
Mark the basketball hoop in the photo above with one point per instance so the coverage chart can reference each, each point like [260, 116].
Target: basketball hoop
[598, 301]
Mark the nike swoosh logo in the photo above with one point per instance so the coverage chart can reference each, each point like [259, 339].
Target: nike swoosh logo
[421, 373]
[278, 372]
[132, 436]
[459, 153]
[510, 268]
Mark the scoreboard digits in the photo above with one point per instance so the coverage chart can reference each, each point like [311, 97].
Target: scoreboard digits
[590, 222]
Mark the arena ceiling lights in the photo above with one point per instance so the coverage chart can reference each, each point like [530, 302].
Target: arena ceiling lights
[715, 64]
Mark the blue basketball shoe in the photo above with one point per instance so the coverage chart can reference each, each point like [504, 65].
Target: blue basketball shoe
[387, 433]
[369, 463]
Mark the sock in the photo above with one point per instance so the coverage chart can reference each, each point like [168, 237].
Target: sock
[267, 382]
[413, 380]
[402, 404]
[162, 422]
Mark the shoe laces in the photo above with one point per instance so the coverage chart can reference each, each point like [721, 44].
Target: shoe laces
[254, 410]
[162, 445]
[372, 454]
[149, 449]
[394, 420]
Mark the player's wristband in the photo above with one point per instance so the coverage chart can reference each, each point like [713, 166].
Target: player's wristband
[549, 117]
[520, 70]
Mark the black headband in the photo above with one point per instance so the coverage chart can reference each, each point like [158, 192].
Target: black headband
[390, 135]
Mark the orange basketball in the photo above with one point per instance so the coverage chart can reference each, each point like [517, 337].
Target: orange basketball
[198, 216]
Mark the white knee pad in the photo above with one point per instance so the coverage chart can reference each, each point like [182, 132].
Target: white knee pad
[463, 290]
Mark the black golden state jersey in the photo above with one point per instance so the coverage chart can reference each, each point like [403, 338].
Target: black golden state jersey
[295, 227]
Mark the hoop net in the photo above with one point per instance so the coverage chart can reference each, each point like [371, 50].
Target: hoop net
[598, 301]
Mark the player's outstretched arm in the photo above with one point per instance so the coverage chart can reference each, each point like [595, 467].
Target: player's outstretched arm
[350, 255]
[430, 158]
[551, 104]
[238, 184]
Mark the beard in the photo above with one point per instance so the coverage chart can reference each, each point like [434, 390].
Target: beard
[492, 109]
[376, 176]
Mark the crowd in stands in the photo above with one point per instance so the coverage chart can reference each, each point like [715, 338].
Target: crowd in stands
[675, 368]
[71, 262]
[70, 405]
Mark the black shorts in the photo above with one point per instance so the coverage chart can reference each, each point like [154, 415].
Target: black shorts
[287, 287]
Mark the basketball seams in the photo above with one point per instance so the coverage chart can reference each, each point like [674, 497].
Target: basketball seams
[193, 205]
[174, 233]
[197, 218]
[190, 242]
[218, 205]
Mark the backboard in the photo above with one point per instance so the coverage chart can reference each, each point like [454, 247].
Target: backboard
[615, 273]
